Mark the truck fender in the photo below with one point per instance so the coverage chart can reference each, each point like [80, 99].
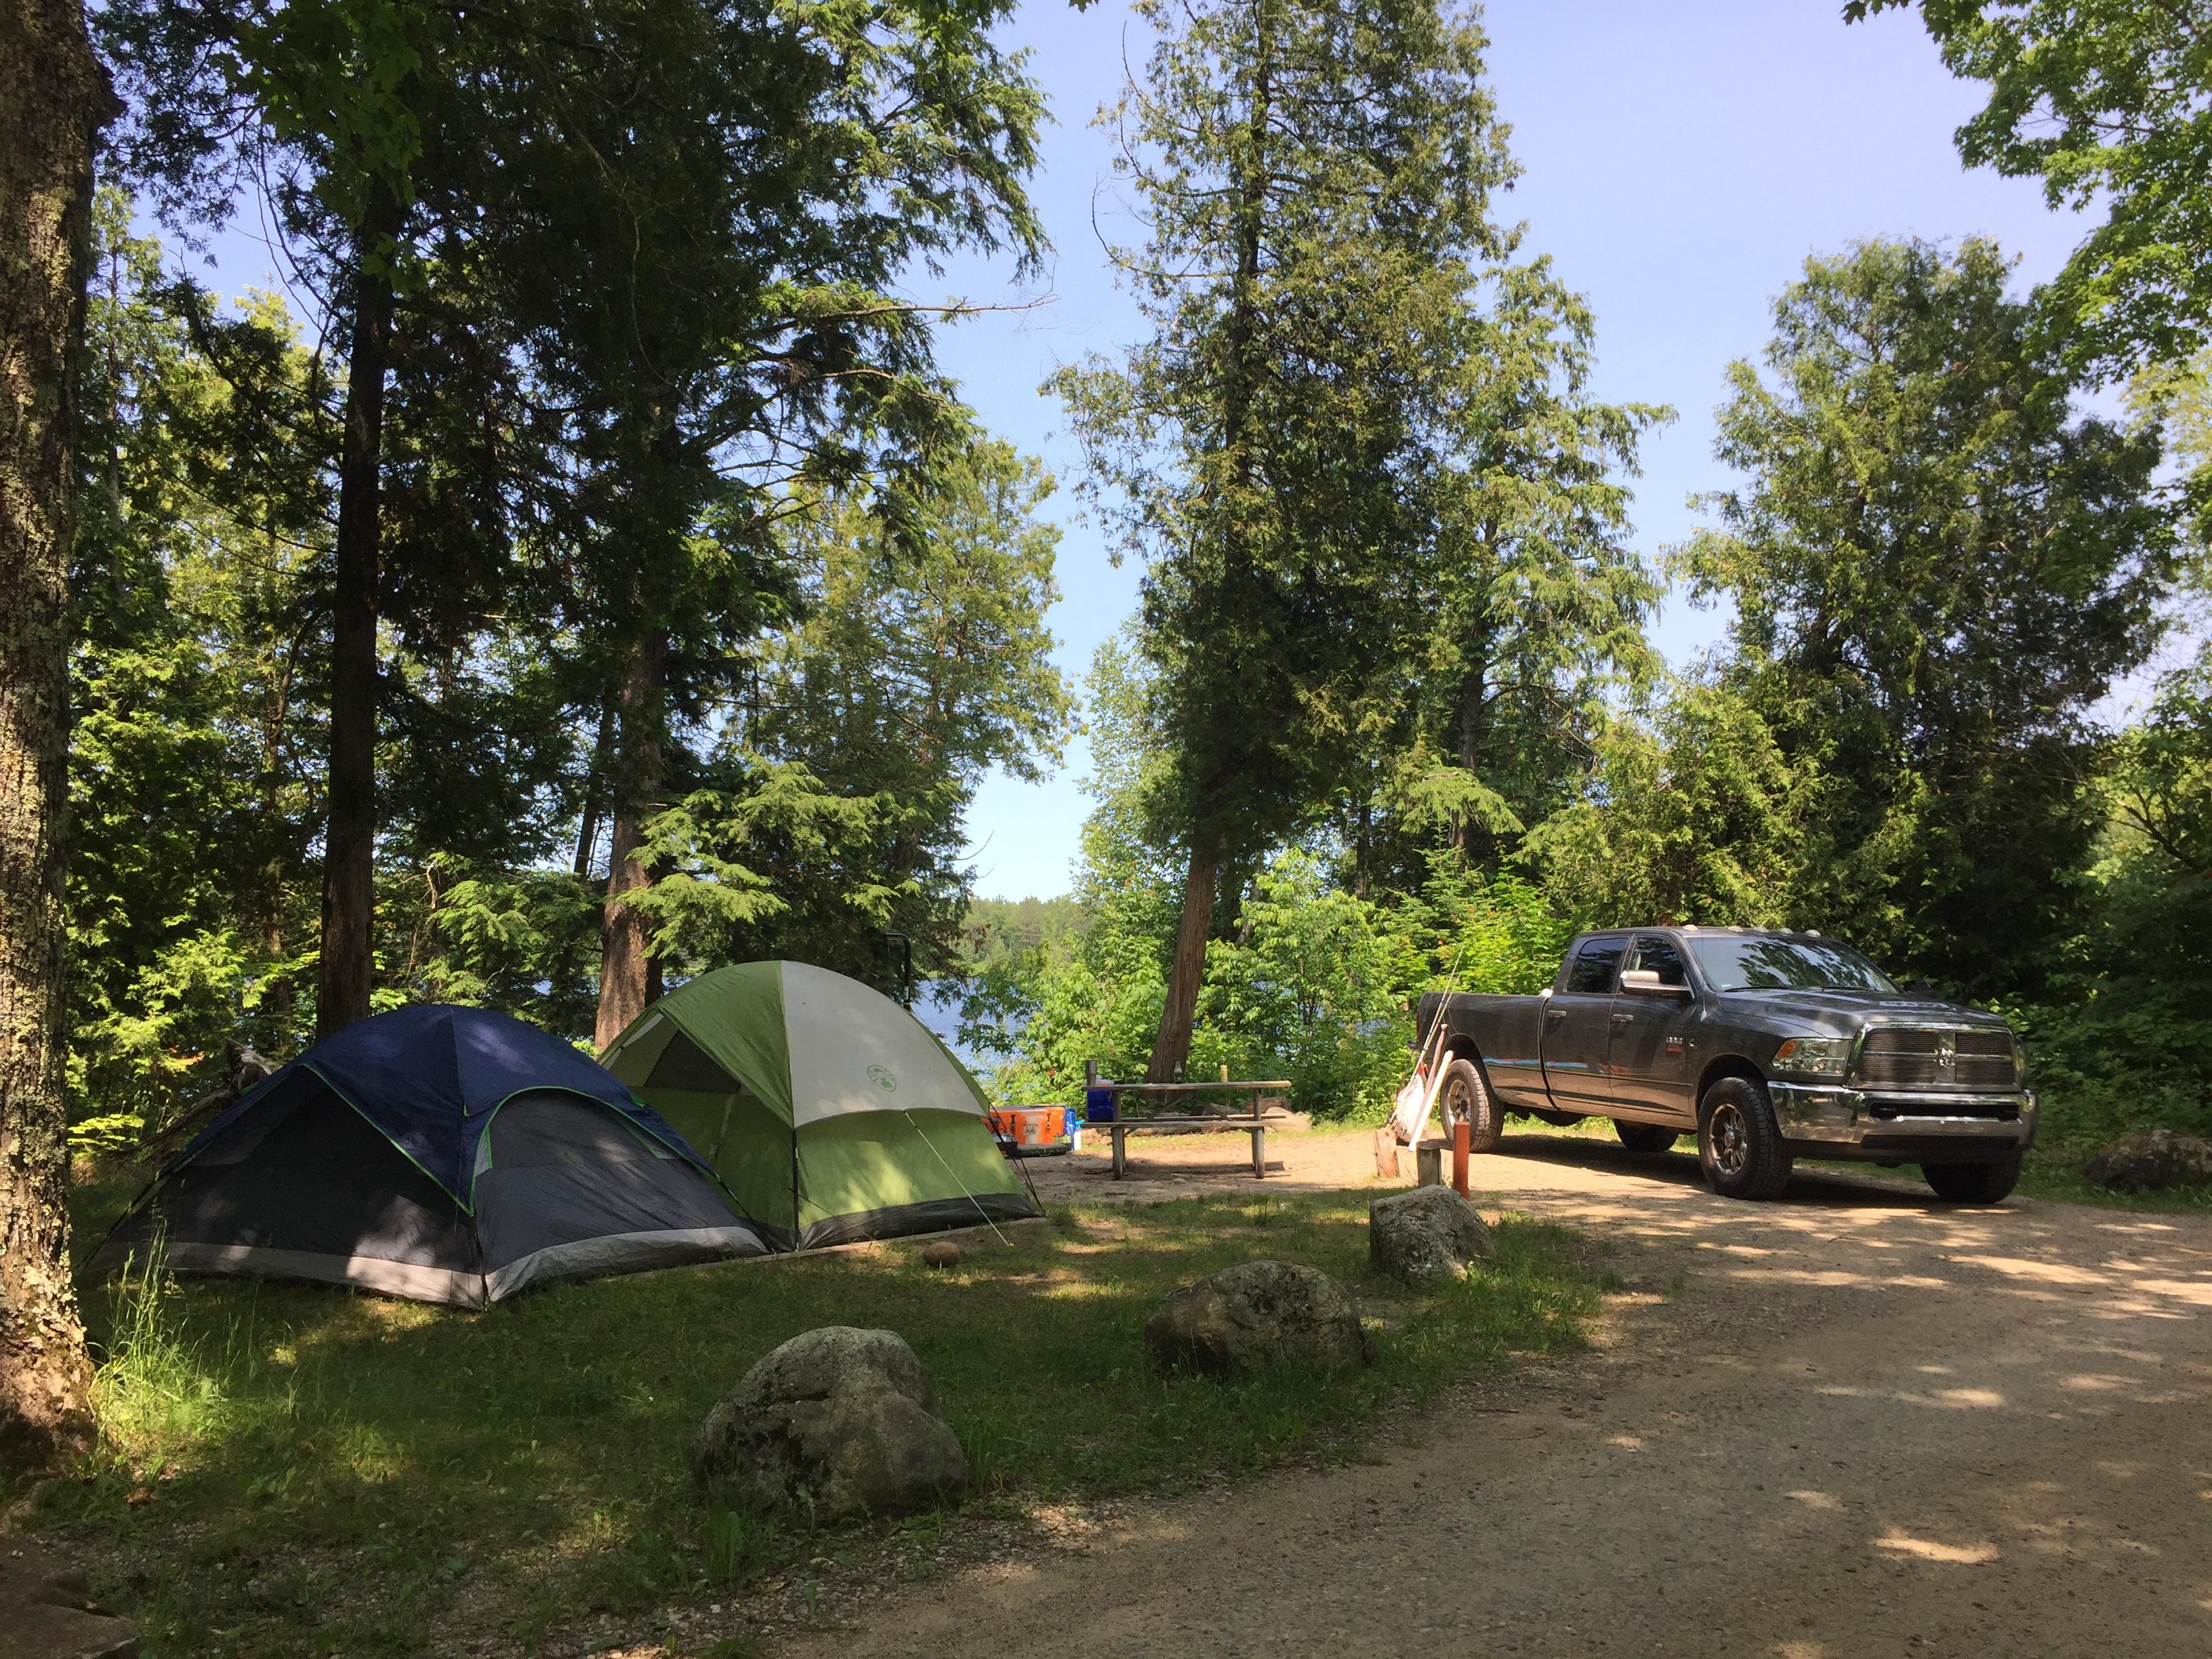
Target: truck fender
[1723, 1065]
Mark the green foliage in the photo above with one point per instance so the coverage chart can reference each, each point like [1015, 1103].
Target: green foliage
[200, 545]
[1937, 568]
[823, 799]
[2106, 101]
[2123, 1041]
[1527, 604]
[1313, 985]
[1314, 183]
[1697, 818]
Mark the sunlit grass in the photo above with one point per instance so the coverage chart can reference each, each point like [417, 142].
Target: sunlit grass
[289, 1469]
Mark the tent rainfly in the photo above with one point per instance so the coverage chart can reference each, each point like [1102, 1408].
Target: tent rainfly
[830, 1113]
[439, 1153]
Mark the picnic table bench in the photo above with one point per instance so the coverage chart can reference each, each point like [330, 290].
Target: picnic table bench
[1254, 1122]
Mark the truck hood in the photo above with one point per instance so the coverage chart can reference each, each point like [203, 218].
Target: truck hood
[1850, 1010]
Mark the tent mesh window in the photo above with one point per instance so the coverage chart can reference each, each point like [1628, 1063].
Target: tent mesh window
[324, 1181]
[684, 1065]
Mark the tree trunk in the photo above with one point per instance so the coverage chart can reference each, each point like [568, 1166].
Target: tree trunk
[347, 969]
[595, 784]
[1171, 1047]
[628, 978]
[57, 99]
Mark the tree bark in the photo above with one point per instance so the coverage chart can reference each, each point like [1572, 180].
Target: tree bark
[1171, 1047]
[628, 978]
[57, 99]
[346, 971]
[595, 784]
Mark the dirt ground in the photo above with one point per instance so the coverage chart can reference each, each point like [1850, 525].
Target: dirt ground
[1849, 1422]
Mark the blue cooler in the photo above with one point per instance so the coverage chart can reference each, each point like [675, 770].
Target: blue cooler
[1098, 1105]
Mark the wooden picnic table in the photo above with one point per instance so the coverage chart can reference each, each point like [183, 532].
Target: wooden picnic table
[1253, 1121]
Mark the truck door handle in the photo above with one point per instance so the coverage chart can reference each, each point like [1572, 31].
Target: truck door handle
[1623, 1019]
[1554, 1016]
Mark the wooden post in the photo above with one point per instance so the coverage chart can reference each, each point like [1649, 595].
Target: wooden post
[1428, 1164]
[1259, 1153]
[1386, 1153]
[1090, 1073]
[1461, 1134]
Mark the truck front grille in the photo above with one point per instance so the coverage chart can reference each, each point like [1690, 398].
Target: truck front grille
[1901, 1058]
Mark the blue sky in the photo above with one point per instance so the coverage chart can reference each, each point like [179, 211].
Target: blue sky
[1682, 161]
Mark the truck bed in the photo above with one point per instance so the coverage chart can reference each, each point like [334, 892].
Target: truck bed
[1507, 1032]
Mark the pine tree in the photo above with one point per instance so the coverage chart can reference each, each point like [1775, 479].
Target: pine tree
[1314, 182]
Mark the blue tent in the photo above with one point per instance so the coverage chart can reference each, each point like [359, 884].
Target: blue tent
[442, 1153]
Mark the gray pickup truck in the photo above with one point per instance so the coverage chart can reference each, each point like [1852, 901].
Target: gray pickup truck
[1768, 1046]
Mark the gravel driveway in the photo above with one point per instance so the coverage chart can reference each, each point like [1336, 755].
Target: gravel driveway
[1850, 1423]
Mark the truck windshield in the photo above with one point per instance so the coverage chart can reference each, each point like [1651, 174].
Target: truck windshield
[1784, 964]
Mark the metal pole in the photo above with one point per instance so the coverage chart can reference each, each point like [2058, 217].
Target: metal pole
[1459, 1149]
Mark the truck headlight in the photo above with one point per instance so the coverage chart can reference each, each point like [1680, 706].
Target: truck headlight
[1815, 1056]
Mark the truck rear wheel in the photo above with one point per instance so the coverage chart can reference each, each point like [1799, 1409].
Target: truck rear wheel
[1645, 1137]
[1462, 1095]
[1974, 1183]
[1739, 1142]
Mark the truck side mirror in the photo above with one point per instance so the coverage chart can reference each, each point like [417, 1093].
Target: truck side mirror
[1647, 981]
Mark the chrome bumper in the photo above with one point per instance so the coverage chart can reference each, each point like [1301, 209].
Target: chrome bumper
[1816, 1117]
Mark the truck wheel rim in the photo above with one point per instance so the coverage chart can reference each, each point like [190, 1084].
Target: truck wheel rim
[1731, 1143]
[1455, 1102]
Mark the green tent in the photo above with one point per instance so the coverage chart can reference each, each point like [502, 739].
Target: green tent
[830, 1113]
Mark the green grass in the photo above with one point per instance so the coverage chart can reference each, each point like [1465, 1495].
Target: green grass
[289, 1469]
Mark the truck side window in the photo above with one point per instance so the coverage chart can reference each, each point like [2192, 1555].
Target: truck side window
[1592, 974]
[1659, 956]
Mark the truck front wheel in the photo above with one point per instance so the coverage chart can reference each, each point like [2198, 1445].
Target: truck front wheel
[1460, 1094]
[1739, 1142]
[1974, 1183]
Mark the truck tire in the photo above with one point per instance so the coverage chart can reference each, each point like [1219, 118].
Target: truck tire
[1974, 1183]
[1463, 1094]
[1739, 1142]
[1645, 1137]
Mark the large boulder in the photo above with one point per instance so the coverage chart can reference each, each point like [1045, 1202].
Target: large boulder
[1258, 1314]
[1426, 1233]
[2157, 1158]
[47, 1611]
[837, 1422]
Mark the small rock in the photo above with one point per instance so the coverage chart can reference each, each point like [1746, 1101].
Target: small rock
[47, 1613]
[2157, 1158]
[944, 1253]
[1426, 1233]
[837, 1422]
[1257, 1315]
